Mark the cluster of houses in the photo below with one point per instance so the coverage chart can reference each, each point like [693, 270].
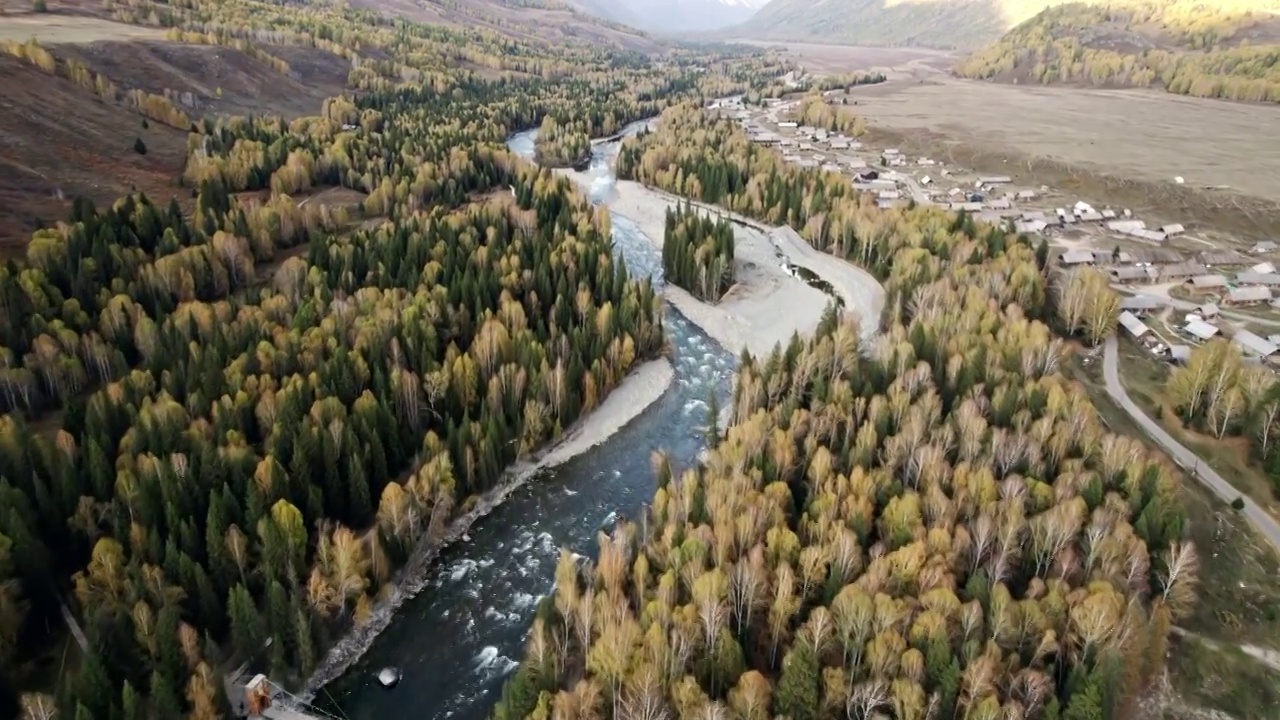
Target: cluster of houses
[1120, 222]
[1202, 274]
[1198, 327]
[793, 138]
[1251, 285]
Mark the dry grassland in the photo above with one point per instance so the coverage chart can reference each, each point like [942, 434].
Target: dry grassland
[50, 29]
[1145, 135]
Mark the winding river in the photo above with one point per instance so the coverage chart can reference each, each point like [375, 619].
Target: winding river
[458, 640]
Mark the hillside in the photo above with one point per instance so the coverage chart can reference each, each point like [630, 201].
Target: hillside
[74, 91]
[577, 23]
[1229, 51]
[928, 23]
[61, 138]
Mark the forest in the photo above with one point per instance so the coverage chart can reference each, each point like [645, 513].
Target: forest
[566, 145]
[935, 524]
[1085, 304]
[697, 252]
[1184, 46]
[1217, 393]
[233, 421]
[815, 111]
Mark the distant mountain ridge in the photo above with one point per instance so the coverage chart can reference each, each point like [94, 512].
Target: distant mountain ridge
[673, 16]
[964, 24]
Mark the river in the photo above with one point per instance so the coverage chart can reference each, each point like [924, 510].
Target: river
[458, 640]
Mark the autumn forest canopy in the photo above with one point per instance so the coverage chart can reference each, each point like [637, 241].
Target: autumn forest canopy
[934, 524]
[1187, 47]
[232, 418]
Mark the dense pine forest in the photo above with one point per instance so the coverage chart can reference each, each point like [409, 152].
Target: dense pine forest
[232, 423]
[697, 252]
[933, 525]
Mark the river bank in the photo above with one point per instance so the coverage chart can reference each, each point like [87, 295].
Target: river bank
[643, 387]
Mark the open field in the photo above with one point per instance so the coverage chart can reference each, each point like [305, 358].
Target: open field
[50, 29]
[1146, 135]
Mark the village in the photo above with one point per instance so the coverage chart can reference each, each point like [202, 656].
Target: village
[1178, 290]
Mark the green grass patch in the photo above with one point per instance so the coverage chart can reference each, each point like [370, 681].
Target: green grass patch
[1224, 678]
[1145, 378]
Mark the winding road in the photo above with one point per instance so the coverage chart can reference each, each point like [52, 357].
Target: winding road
[1261, 521]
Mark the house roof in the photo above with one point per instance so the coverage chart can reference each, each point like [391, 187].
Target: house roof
[1139, 302]
[1187, 269]
[1136, 327]
[1249, 294]
[1181, 353]
[1076, 257]
[1223, 257]
[1209, 281]
[1254, 344]
[1208, 309]
[1201, 329]
[1133, 273]
[1250, 277]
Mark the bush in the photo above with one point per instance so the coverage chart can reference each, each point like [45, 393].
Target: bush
[139, 146]
[40, 6]
[1237, 504]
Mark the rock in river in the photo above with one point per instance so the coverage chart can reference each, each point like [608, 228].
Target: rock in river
[388, 676]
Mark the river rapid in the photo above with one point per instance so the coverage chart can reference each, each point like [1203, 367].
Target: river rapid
[458, 640]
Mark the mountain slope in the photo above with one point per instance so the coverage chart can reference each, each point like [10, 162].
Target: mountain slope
[673, 15]
[575, 22]
[930, 23]
[1230, 50]
[61, 136]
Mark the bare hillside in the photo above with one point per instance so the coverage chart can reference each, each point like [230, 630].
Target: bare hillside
[60, 139]
[57, 142]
